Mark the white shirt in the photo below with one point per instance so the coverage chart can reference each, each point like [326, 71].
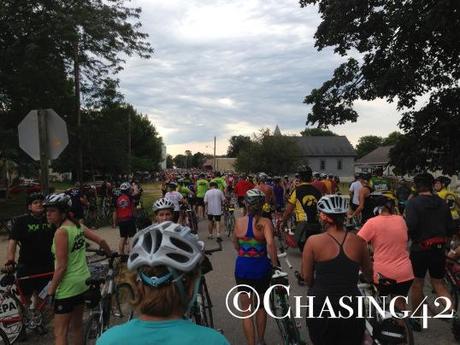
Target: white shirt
[214, 199]
[175, 198]
[355, 188]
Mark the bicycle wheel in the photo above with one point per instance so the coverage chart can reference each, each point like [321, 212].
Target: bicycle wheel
[93, 329]
[207, 304]
[123, 310]
[12, 317]
[278, 309]
[4, 338]
[230, 226]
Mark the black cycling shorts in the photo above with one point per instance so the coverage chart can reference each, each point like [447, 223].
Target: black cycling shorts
[67, 305]
[340, 331]
[214, 217]
[127, 228]
[432, 260]
[399, 289]
[199, 201]
[260, 285]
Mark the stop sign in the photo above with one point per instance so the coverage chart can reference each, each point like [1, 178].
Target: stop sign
[58, 138]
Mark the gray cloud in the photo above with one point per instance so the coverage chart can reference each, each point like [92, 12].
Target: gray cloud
[228, 67]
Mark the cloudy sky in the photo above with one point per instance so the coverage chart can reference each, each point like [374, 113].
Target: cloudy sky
[230, 67]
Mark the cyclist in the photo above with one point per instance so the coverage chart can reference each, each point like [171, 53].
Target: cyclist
[330, 266]
[213, 200]
[162, 211]
[79, 202]
[318, 184]
[176, 198]
[165, 280]
[242, 186]
[34, 236]
[70, 269]
[402, 193]
[387, 234]
[334, 185]
[303, 200]
[269, 195]
[280, 195]
[440, 186]
[253, 240]
[124, 216]
[327, 183]
[366, 207]
[430, 224]
[220, 181]
[202, 186]
[354, 190]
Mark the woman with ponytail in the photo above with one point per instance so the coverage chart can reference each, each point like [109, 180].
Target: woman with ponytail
[253, 240]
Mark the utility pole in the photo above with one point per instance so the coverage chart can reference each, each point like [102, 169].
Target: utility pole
[129, 142]
[44, 154]
[214, 154]
[77, 109]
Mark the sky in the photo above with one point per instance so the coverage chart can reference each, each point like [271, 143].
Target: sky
[231, 67]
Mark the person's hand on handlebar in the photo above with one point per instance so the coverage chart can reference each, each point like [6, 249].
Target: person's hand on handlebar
[10, 265]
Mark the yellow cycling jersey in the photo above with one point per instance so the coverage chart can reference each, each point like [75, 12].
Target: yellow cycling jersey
[451, 200]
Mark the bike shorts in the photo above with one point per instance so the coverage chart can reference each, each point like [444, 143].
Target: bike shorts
[67, 305]
[29, 286]
[260, 285]
[199, 201]
[432, 260]
[127, 228]
[340, 331]
[214, 217]
[399, 289]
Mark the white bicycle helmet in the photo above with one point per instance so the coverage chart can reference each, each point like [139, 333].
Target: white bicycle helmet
[333, 204]
[167, 244]
[61, 201]
[254, 197]
[125, 186]
[162, 204]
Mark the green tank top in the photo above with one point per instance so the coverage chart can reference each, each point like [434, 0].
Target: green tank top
[74, 281]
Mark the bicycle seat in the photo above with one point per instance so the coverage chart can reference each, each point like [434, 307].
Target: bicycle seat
[94, 281]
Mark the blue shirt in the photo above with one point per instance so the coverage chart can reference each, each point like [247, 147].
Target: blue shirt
[171, 332]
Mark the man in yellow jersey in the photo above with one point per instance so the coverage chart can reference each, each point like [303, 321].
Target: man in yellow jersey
[440, 186]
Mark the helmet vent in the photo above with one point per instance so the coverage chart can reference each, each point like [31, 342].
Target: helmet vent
[182, 245]
[158, 241]
[147, 243]
[133, 256]
[177, 257]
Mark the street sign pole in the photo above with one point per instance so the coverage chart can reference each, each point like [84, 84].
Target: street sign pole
[44, 154]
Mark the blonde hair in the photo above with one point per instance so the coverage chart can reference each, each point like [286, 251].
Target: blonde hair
[160, 301]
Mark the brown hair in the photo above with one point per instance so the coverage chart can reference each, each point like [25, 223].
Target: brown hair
[160, 301]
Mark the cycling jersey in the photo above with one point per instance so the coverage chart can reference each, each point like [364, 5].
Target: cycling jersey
[184, 191]
[201, 187]
[175, 198]
[74, 281]
[220, 183]
[304, 198]
[328, 184]
[169, 332]
[451, 200]
[124, 208]
[319, 185]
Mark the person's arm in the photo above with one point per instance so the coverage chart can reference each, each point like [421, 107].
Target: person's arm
[92, 236]
[60, 240]
[11, 255]
[363, 193]
[271, 246]
[236, 245]
[366, 264]
[289, 208]
[306, 265]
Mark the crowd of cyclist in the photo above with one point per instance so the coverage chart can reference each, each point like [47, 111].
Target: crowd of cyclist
[165, 256]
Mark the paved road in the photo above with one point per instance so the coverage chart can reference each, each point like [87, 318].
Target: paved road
[221, 280]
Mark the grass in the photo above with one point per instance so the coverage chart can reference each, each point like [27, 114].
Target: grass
[152, 192]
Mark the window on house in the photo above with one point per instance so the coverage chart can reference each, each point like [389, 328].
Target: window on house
[322, 165]
[339, 164]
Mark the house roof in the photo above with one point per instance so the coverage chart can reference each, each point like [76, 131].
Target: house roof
[325, 146]
[381, 155]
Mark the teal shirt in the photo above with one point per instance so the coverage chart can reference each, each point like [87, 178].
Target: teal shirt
[171, 332]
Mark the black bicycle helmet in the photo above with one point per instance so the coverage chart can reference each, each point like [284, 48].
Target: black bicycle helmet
[34, 196]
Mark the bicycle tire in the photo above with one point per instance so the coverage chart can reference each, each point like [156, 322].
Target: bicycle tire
[277, 310]
[207, 303]
[4, 338]
[124, 311]
[13, 330]
[93, 330]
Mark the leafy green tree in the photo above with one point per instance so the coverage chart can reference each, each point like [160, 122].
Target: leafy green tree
[237, 143]
[180, 161]
[368, 144]
[317, 132]
[392, 138]
[169, 162]
[409, 49]
[198, 159]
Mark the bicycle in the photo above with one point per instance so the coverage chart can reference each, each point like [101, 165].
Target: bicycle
[190, 218]
[229, 219]
[102, 295]
[279, 305]
[16, 316]
[201, 311]
[385, 329]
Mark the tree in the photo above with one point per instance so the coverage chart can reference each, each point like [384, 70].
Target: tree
[392, 138]
[409, 49]
[237, 143]
[198, 159]
[268, 153]
[180, 161]
[368, 144]
[169, 162]
[317, 132]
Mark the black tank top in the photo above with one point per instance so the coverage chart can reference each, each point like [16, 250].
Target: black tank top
[368, 209]
[336, 277]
